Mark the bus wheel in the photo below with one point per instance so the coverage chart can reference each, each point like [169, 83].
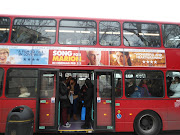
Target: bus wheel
[147, 123]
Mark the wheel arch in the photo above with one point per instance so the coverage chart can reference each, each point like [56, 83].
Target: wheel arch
[147, 111]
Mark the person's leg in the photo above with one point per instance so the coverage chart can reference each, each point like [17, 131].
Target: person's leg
[88, 117]
[70, 109]
[75, 109]
[64, 115]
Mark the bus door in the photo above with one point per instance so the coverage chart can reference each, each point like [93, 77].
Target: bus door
[47, 100]
[104, 101]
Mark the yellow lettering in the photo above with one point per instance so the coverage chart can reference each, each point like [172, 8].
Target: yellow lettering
[73, 58]
[66, 58]
[80, 58]
[55, 58]
[61, 58]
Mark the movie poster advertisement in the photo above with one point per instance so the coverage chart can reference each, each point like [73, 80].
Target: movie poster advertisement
[80, 56]
[23, 55]
[145, 58]
[116, 57]
[94, 56]
[64, 56]
[40, 56]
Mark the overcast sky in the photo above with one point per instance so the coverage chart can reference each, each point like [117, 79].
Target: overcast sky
[156, 10]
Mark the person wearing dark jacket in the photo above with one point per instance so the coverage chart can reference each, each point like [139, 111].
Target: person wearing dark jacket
[74, 90]
[64, 100]
[88, 98]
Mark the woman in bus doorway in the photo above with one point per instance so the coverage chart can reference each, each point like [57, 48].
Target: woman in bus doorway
[64, 100]
[74, 90]
[88, 98]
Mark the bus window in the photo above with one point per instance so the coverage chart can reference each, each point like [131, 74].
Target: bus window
[77, 32]
[118, 83]
[105, 86]
[173, 84]
[34, 31]
[143, 84]
[21, 83]
[47, 85]
[1, 80]
[109, 33]
[141, 34]
[171, 35]
[4, 29]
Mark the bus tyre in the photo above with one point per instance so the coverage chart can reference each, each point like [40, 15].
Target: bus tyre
[147, 123]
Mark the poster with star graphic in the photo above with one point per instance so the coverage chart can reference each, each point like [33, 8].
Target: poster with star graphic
[25, 55]
[146, 57]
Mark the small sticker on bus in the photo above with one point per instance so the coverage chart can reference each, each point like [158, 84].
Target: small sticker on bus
[42, 101]
[53, 100]
[177, 104]
[98, 99]
[41, 127]
[119, 116]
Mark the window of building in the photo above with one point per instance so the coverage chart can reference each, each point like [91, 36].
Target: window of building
[141, 34]
[77, 32]
[109, 33]
[173, 84]
[34, 31]
[4, 29]
[144, 84]
[1, 80]
[21, 83]
[171, 35]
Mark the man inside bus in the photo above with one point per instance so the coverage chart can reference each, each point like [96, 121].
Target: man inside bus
[88, 99]
[130, 87]
[94, 58]
[175, 87]
[24, 92]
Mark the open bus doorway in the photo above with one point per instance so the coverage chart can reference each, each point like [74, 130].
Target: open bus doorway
[75, 80]
[103, 105]
[49, 110]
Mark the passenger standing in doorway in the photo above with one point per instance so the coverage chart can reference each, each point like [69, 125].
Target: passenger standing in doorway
[64, 100]
[88, 98]
[74, 89]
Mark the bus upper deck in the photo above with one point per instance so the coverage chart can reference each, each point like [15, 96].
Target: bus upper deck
[131, 64]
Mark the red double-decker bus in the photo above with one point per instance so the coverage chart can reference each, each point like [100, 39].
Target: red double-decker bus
[133, 65]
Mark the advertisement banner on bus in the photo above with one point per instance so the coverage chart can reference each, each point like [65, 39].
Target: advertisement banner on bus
[64, 57]
[23, 55]
[94, 57]
[144, 58]
[79, 56]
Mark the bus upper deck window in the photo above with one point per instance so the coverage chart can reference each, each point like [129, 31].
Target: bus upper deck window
[141, 34]
[4, 29]
[171, 35]
[34, 31]
[77, 32]
[109, 33]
